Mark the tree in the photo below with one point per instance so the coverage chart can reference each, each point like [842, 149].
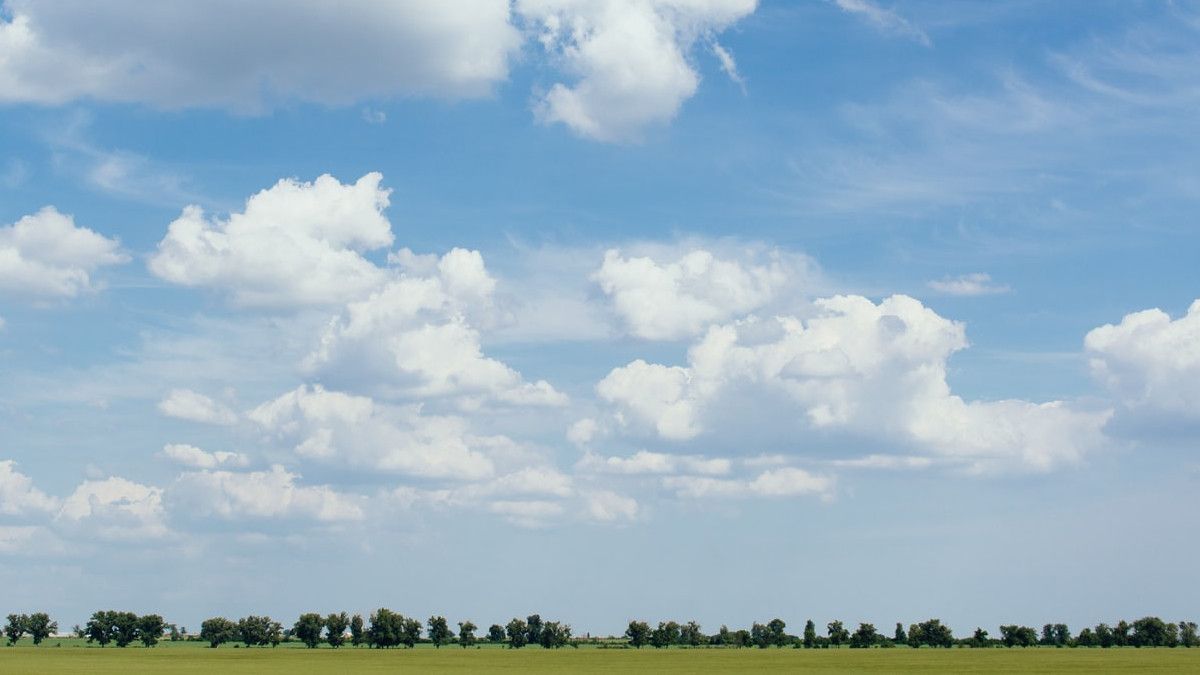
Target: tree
[690, 634]
[865, 636]
[357, 634]
[496, 634]
[124, 627]
[259, 631]
[387, 629]
[1062, 635]
[518, 633]
[533, 629]
[150, 628]
[1104, 636]
[638, 633]
[1187, 634]
[41, 627]
[554, 635]
[308, 629]
[1121, 634]
[723, 637]
[439, 631]
[932, 633]
[759, 635]
[17, 624]
[777, 632]
[335, 628]
[665, 635]
[99, 629]
[173, 630]
[980, 638]
[466, 634]
[1149, 631]
[1086, 638]
[900, 636]
[411, 633]
[837, 633]
[810, 634]
[1018, 636]
[217, 631]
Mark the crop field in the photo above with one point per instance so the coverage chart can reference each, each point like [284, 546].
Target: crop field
[196, 658]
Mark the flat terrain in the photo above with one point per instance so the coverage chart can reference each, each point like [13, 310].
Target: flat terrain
[172, 659]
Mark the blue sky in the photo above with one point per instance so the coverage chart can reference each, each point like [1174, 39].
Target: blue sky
[713, 310]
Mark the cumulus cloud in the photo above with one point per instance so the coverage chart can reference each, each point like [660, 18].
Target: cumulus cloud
[669, 296]
[630, 59]
[186, 404]
[196, 458]
[294, 244]
[413, 337]
[332, 426]
[246, 57]
[114, 508]
[18, 496]
[873, 370]
[968, 285]
[1150, 362]
[530, 513]
[270, 494]
[45, 256]
[608, 507]
[645, 462]
[782, 482]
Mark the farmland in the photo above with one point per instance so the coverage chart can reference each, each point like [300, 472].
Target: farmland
[73, 657]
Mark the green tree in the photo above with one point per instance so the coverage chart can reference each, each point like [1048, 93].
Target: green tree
[411, 633]
[466, 634]
[810, 634]
[1121, 634]
[496, 634]
[980, 638]
[99, 628]
[865, 636]
[1086, 638]
[173, 630]
[1187, 634]
[777, 632]
[15, 628]
[638, 633]
[40, 626]
[150, 629]
[335, 628]
[1018, 636]
[690, 634]
[665, 635]
[217, 631]
[533, 629]
[308, 629]
[358, 636]
[259, 631]
[932, 633]
[124, 627]
[1104, 636]
[1149, 631]
[518, 633]
[439, 631]
[723, 637]
[837, 633]
[386, 630]
[760, 636]
[554, 635]
[900, 636]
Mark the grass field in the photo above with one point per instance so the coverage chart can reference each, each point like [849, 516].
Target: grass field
[194, 658]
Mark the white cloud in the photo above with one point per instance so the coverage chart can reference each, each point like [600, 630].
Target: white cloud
[869, 370]
[645, 462]
[259, 494]
[196, 458]
[46, 256]
[668, 295]
[728, 64]
[583, 431]
[531, 513]
[968, 285]
[294, 244]
[18, 496]
[114, 508]
[607, 507]
[782, 482]
[247, 57]
[413, 336]
[1150, 362]
[186, 404]
[356, 431]
[885, 20]
[883, 462]
[630, 59]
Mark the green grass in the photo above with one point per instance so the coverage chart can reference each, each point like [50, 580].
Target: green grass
[193, 658]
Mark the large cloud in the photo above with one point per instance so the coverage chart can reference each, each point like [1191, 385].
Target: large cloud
[668, 295]
[413, 337]
[46, 256]
[243, 56]
[1150, 362]
[114, 508]
[873, 370]
[18, 496]
[630, 58]
[294, 244]
[267, 494]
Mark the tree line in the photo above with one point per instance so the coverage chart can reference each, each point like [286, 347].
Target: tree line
[386, 629]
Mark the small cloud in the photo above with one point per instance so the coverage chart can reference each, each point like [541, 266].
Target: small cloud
[372, 116]
[969, 285]
[885, 20]
[728, 65]
[186, 404]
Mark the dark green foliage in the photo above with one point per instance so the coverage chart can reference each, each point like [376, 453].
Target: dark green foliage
[259, 631]
[466, 634]
[41, 627]
[690, 634]
[930, 633]
[1187, 634]
[15, 628]
[1104, 636]
[335, 628]
[217, 631]
[900, 637]
[358, 636]
[979, 639]
[150, 628]
[810, 634]
[533, 629]
[496, 634]
[1086, 638]
[554, 635]
[387, 629]
[638, 633]
[439, 631]
[518, 634]
[777, 632]
[308, 629]
[837, 633]
[1149, 631]
[1018, 636]
[665, 635]
[411, 633]
[866, 636]
[1121, 634]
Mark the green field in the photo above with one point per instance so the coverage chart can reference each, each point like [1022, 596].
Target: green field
[194, 658]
